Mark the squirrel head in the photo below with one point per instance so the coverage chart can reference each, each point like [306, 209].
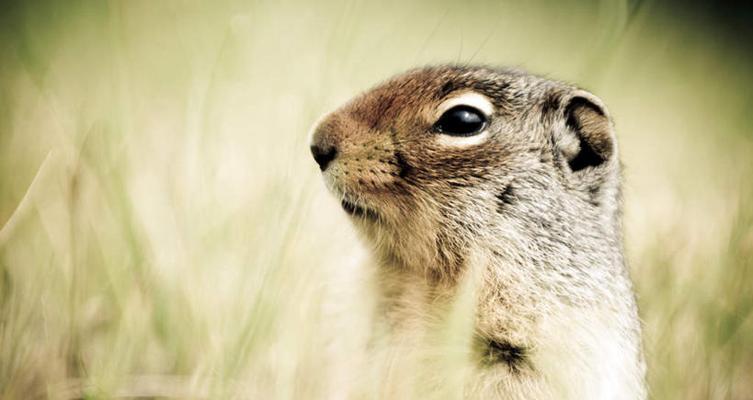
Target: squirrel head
[439, 159]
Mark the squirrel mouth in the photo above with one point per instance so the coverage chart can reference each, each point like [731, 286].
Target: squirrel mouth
[358, 211]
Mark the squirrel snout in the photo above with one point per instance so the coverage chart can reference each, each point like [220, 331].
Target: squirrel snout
[323, 155]
[324, 145]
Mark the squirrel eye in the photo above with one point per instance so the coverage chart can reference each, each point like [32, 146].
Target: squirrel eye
[461, 121]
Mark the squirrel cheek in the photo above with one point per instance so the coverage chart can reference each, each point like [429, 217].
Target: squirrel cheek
[369, 166]
[366, 174]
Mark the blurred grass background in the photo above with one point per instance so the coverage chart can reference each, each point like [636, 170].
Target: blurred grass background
[164, 232]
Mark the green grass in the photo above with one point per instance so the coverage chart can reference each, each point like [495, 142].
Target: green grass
[165, 233]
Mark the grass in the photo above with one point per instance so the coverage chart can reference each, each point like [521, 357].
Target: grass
[164, 232]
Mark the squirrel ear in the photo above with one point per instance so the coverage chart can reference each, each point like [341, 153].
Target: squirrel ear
[588, 139]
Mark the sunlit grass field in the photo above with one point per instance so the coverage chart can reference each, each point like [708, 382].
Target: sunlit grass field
[165, 233]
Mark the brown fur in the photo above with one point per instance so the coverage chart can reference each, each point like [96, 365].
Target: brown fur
[536, 204]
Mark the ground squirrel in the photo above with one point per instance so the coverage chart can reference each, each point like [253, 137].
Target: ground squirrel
[441, 165]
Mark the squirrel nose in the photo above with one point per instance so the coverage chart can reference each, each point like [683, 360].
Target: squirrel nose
[323, 155]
